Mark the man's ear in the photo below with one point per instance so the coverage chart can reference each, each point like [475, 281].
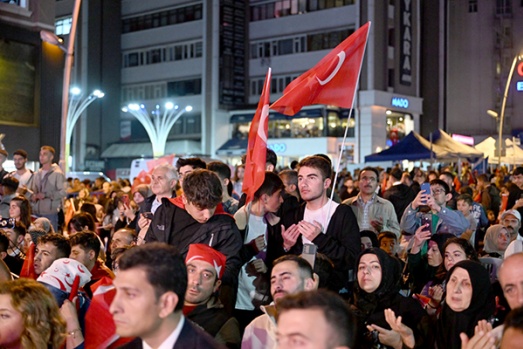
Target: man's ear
[168, 302]
[292, 187]
[92, 256]
[448, 197]
[311, 284]
[217, 285]
[327, 183]
[3, 255]
[20, 239]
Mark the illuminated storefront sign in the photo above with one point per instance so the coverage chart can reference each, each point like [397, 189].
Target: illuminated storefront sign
[400, 102]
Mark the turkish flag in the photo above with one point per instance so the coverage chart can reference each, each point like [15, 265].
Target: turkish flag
[28, 268]
[257, 144]
[332, 81]
[100, 330]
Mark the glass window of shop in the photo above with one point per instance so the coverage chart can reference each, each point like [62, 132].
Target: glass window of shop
[398, 126]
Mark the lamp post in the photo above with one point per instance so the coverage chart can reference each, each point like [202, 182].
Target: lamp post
[157, 124]
[69, 53]
[501, 116]
[76, 107]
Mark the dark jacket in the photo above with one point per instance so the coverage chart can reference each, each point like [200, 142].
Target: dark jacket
[341, 242]
[172, 224]
[191, 337]
[400, 196]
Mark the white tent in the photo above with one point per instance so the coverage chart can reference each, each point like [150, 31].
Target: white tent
[513, 153]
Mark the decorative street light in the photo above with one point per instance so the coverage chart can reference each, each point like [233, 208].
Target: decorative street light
[77, 105]
[501, 116]
[69, 53]
[157, 124]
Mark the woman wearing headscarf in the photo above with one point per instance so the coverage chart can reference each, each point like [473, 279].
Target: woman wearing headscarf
[376, 289]
[496, 241]
[468, 300]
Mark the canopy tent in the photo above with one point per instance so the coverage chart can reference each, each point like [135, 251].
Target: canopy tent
[513, 153]
[457, 149]
[415, 147]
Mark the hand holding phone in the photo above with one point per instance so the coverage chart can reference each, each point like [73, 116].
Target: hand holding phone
[148, 215]
[425, 188]
[426, 219]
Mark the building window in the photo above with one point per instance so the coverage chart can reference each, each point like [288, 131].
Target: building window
[473, 6]
[63, 26]
[184, 87]
[163, 18]
[503, 7]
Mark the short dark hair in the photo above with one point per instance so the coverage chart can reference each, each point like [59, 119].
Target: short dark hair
[514, 320]
[193, 162]
[20, 152]
[442, 183]
[371, 235]
[466, 198]
[387, 234]
[373, 169]
[304, 267]
[271, 184]
[396, 173]
[271, 157]
[483, 178]
[317, 162]
[4, 241]
[335, 311]
[518, 171]
[203, 189]
[119, 250]
[220, 168]
[470, 252]
[87, 240]
[81, 220]
[163, 265]
[448, 175]
[60, 241]
[290, 175]
[466, 190]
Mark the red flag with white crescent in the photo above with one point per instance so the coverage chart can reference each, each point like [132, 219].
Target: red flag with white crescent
[332, 81]
[257, 144]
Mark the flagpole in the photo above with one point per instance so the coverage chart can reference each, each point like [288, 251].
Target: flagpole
[347, 127]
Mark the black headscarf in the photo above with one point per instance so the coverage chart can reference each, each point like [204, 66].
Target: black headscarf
[482, 306]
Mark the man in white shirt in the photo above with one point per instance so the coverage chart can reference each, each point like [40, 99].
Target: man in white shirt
[24, 175]
[150, 292]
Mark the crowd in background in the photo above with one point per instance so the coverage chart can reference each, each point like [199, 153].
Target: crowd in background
[416, 254]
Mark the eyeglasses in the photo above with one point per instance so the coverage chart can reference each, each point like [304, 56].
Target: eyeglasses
[437, 191]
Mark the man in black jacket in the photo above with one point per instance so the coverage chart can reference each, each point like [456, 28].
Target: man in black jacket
[332, 227]
[197, 217]
[399, 194]
[150, 292]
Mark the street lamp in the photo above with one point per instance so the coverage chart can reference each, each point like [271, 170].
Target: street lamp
[157, 124]
[76, 107]
[501, 116]
[69, 52]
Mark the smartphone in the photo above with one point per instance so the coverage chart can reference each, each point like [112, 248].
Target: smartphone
[309, 253]
[148, 215]
[425, 187]
[426, 218]
[125, 200]
[7, 223]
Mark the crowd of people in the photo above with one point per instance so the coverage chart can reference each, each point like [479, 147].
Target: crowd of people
[384, 259]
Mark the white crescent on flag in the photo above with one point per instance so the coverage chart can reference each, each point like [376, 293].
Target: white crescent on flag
[341, 59]
[263, 117]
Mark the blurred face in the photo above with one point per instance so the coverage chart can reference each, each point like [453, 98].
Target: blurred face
[453, 254]
[491, 217]
[184, 171]
[464, 207]
[368, 182]
[438, 193]
[503, 240]
[201, 215]
[45, 255]
[447, 180]
[106, 187]
[433, 255]
[303, 329]
[14, 209]
[518, 180]
[511, 223]
[161, 184]
[202, 282]
[82, 256]
[459, 290]
[272, 202]
[388, 245]
[45, 157]
[311, 184]
[19, 161]
[286, 279]
[14, 239]
[369, 272]
[366, 242]
[241, 172]
[511, 280]
[120, 239]
[138, 198]
[136, 310]
[11, 323]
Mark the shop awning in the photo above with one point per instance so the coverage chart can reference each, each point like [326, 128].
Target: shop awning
[234, 146]
[137, 150]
